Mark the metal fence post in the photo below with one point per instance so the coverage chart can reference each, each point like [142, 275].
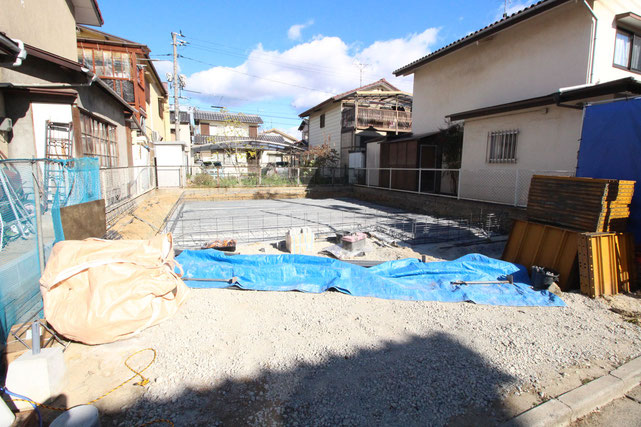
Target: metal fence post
[419, 179]
[297, 176]
[367, 177]
[458, 189]
[38, 213]
[516, 188]
[156, 171]
[390, 178]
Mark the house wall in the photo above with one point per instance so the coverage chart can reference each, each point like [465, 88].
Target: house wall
[157, 112]
[226, 129]
[533, 58]
[100, 104]
[331, 133]
[548, 140]
[48, 25]
[606, 34]
[21, 141]
[43, 112]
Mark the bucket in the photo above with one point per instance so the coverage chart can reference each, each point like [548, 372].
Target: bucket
[543, 277]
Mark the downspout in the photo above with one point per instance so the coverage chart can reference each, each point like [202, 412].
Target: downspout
[595, 22]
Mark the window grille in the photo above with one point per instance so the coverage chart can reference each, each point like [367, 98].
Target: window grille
[501, 146]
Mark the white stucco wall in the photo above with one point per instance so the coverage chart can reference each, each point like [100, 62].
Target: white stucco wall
[42, 113]
[548, 140]
[530, 59]
[331, 133]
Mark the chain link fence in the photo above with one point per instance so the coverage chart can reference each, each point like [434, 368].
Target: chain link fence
[502, 186]
[122, 185]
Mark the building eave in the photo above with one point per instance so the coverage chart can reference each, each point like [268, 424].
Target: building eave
[564, 95]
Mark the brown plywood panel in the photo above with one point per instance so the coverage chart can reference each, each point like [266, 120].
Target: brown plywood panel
[84, 220]
[555, 248]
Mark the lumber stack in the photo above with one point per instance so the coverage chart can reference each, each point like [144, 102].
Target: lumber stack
[581, 204]
[575, 226]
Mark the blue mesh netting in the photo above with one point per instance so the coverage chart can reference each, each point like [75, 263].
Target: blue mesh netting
[75, 181]
[60, 183]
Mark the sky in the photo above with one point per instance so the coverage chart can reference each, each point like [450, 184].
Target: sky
[277, 59]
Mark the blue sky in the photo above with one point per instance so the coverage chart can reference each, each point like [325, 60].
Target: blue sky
[278, 58]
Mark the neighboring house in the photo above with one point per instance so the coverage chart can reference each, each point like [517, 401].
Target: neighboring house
[304, 131]
[127, 68]
[346, 122]
[519, 86]
[56, 107]
[223, 139]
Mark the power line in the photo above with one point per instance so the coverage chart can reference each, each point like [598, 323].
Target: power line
[258, 77]
[234, 48]
[269, 60]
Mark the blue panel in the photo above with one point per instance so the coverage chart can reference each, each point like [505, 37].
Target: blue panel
[408, 279]
[611, 149]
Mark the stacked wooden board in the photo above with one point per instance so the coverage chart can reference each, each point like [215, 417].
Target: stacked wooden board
[581, 204]
[575, 226]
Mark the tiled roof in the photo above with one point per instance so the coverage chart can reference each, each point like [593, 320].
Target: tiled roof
[499, 25]
[217, 116]
[184, 117]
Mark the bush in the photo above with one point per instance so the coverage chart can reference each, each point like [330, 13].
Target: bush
[203, 180]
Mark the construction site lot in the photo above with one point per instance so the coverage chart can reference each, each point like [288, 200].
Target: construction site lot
[238, 357]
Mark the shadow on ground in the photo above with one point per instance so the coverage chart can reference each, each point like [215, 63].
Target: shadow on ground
[431, 380]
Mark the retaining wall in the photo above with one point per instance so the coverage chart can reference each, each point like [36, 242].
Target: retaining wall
[444, 207]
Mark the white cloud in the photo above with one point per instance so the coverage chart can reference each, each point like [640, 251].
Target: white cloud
[164, 67]
[326, 64]
[294, 32]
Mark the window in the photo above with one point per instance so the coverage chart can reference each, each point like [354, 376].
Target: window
[627, 50]
[99, 140]
[501, 146]
[322, 120]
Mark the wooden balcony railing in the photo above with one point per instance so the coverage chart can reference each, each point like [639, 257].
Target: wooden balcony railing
[385, 120]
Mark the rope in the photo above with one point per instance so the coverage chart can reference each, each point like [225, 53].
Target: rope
[137, 373]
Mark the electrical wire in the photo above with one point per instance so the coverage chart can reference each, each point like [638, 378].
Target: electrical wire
[257, 77]
[24, 399]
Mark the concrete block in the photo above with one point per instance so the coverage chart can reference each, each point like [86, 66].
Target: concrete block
[550, 413]
[38, 377]
[629, 373]
[588, 397]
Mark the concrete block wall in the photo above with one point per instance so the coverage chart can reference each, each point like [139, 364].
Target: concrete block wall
[443, 207]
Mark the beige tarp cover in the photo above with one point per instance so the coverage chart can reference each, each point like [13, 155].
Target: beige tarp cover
[98, 291]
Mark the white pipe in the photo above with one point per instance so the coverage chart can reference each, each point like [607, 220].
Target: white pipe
[595, 22]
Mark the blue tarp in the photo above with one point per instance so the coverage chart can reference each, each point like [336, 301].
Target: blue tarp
[407, 279]
[611, 148]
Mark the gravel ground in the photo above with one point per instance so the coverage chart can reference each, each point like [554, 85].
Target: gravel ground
[232, 357]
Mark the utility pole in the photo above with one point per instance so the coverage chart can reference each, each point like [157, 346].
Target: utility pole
[176, 83]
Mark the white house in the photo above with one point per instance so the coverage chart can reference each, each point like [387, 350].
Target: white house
[519, 85]
[347, 121]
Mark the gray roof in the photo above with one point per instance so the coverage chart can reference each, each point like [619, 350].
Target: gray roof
[184, 117]
[217, 116]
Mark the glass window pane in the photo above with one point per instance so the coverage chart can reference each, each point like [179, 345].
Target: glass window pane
[622, 49]
[635, 61]
[109, 68]
[81, 56]
[99, 63]
[126, 66]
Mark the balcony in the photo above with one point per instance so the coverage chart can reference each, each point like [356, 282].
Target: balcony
[382, 120]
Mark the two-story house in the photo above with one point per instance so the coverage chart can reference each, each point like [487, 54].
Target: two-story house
[127, 68]
[519, 85]
[47, 97]
[346, 122]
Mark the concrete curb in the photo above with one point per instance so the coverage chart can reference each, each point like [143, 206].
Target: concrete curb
[579, 402]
